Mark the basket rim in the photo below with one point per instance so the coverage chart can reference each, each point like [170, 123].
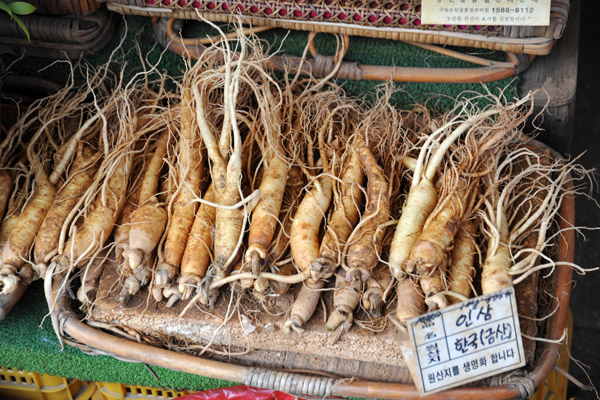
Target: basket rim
[78, 334]
[161, 11]
[539, 45]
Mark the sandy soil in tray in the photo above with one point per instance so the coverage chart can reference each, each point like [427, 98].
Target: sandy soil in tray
[253, 333]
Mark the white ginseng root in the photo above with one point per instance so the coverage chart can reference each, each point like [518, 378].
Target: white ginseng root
[16, 250]
[147, 223]
[198, 250]
[346, 297]
[343, 219]
[423, 196]
[181, 218]
[461, 268]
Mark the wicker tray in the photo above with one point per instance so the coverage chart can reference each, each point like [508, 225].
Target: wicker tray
[520, 383]
[397, 20]
[66, 36]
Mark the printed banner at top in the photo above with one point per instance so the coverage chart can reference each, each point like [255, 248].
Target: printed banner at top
[486, 12]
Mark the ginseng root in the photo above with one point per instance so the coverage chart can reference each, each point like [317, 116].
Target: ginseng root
[291, 200]
[346, 297]
[6, 181]
[304, 240]
[21, 238]
[190, 175]
[410, 301]
[367, 239]
[462, 257]
[8, 301]
[123, 226]
[99, 223]
[225, 154]
[341, 223]
[429, 251]
[434, 289]
[495, 269]
[343, 220]
[147, 225]
[198, 251]
[422, 196]
[272, 187]
[149, 219]
[80, 179]
[121, 231]
[264, 216]
[89, 278]
[304, 234]
[420, 202]
[340, 226]
[304, 306]
[373, 297]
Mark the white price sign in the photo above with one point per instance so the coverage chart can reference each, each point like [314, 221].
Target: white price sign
[466, 342]
[486, 12]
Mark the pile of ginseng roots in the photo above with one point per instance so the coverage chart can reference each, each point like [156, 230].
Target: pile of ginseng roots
[246, 179]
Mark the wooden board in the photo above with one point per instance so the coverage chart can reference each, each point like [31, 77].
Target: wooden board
[358, 353]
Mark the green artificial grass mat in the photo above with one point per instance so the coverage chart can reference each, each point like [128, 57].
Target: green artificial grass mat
[27, 343]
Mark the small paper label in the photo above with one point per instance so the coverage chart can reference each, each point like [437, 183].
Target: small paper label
[486, 12]
[466, 342]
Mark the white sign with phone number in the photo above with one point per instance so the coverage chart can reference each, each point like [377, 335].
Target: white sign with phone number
[486, 12]
[466, 342]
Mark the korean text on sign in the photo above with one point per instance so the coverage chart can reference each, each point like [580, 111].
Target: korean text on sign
[486, 12]
[467, 341]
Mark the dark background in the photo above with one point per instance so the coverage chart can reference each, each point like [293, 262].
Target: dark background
[585, 300]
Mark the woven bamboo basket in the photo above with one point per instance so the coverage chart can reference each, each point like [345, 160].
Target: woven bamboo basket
[60, 37]
[396, 20]
[520, 383]
[66, 7]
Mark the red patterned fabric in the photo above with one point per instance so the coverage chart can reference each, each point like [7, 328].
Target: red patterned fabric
[378, 13]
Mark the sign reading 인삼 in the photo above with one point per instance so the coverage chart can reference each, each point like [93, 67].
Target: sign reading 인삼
[466, 342]
[486, 12]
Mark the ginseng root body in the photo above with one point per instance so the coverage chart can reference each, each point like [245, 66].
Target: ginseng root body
[373, 297]
[346, 297]
[304, 306]
[429, 251]
[198, 250]
[462, 257]
[364, 251]
[304, 235]
[343, 220]
[80, 178]
[410, 301]
[21, 238]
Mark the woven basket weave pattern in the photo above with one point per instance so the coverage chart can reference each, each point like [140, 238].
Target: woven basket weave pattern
[404, 14]
[386, 19]
[387, 14]
[58, 36]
